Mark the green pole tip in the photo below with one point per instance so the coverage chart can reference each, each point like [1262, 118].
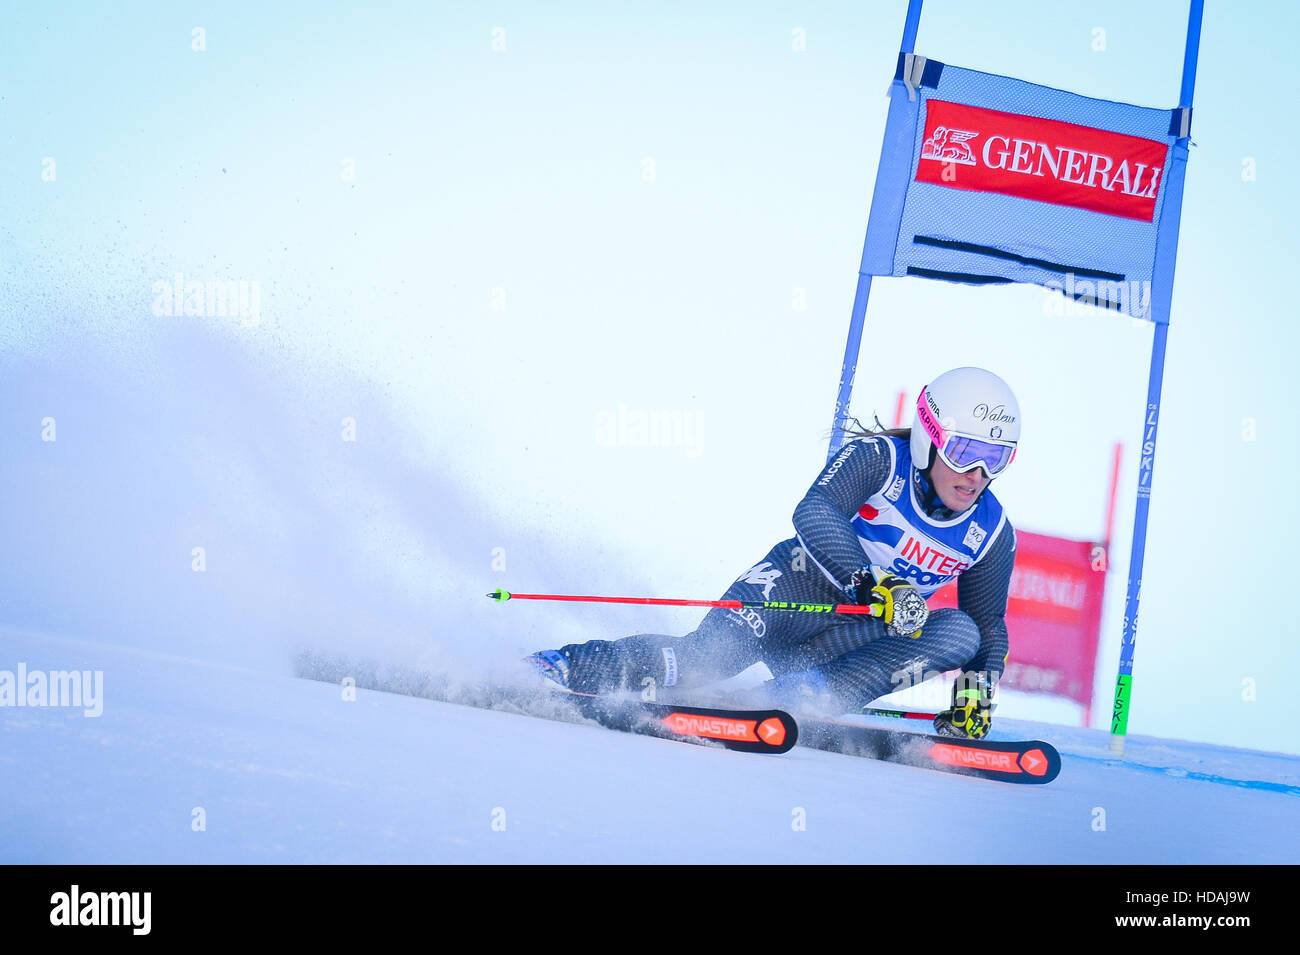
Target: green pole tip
[499, 595]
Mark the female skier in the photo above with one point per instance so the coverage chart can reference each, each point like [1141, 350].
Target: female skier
[891, 519]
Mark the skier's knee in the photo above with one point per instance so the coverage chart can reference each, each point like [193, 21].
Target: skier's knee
[956, 632]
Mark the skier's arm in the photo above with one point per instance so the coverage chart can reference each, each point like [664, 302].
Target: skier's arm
[982, 593]
[822, 519]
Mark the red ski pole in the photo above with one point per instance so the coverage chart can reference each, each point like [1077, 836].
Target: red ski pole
[872, 610]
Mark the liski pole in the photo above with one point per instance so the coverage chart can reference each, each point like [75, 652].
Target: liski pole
[1161, 296]
[872, 610]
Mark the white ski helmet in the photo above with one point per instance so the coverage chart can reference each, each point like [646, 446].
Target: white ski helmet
[971, 418]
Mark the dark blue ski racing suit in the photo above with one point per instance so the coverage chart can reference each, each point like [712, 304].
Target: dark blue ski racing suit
[869, 506]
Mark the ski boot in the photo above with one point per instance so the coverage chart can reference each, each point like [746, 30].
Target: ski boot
[551, 665]
[597, 666]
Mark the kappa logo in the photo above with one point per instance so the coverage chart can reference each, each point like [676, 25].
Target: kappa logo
[974, 537]
[764, 575]
[949, 145]
[896, 488]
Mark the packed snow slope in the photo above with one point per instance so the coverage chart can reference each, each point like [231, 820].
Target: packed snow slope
[199, 762]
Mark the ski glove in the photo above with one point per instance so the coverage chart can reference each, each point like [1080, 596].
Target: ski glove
[902, 607]
[972, 708]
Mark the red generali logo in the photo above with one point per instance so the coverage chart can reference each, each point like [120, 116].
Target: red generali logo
[983, 150]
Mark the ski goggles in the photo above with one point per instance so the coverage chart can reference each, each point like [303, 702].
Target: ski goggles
[962, 452]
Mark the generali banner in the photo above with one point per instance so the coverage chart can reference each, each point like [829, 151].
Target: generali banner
[1053, 615]
[986, 179]
[984, 150]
